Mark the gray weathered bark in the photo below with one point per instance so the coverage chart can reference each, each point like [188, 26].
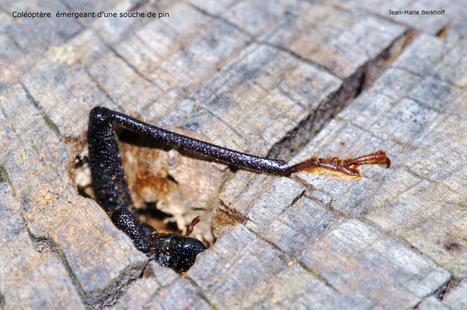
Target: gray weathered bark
[283, 79]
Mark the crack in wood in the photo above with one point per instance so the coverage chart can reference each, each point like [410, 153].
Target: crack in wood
[47, 120]
[306, 130]
[5, 178]
[200, 292]
[97, 299]
[230, 216]
[43, 243]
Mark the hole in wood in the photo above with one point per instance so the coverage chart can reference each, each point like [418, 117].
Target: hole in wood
[169, 188]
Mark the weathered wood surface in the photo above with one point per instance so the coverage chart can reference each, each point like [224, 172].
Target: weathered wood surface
[266, 79]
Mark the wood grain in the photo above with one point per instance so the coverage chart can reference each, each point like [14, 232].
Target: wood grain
[290, 79]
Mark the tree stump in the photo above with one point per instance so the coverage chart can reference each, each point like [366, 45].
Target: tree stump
[288, 79]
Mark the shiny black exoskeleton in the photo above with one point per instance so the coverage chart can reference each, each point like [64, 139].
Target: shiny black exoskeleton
[167, 249]
[172, 250]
